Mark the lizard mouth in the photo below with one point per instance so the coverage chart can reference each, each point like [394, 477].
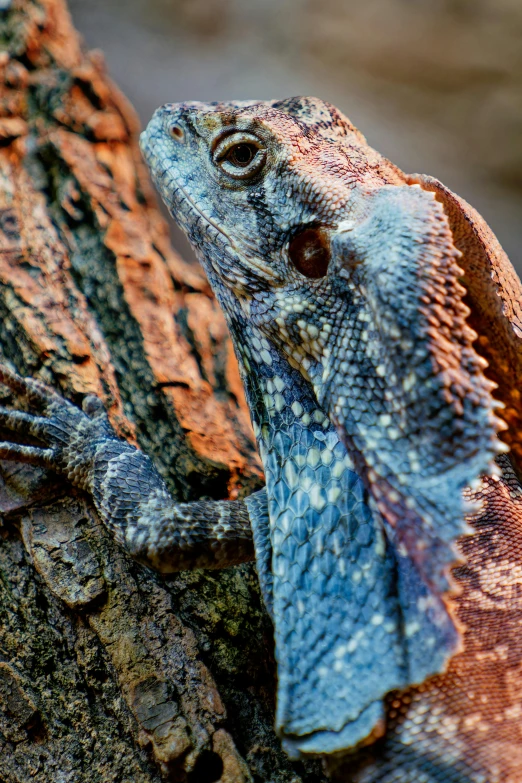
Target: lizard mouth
[185, 209]
[186, 204]
[182, 207]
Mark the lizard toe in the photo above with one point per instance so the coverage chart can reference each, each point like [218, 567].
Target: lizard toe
[37, 393]
[45, 458]
[25, 423]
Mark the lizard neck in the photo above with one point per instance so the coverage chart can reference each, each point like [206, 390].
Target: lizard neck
[329, 556]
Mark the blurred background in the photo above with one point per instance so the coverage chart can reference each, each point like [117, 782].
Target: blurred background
[435, 85]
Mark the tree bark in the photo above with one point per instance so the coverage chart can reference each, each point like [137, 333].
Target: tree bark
[109, 672]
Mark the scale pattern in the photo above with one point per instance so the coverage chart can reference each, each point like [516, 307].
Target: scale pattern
[465, 726]
[128, 492]
[341, 281]
[333, 594]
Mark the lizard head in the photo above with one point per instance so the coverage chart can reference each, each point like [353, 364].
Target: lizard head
[265, 180]
[259, 173]
[261, 189]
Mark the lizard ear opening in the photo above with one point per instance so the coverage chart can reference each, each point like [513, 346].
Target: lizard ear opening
[310, 252]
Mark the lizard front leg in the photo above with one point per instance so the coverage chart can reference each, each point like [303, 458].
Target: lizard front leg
[128, 492]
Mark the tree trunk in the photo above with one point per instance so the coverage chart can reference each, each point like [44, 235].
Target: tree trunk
[109, 672]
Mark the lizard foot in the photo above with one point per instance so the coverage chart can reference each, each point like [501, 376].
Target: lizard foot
[67, 433]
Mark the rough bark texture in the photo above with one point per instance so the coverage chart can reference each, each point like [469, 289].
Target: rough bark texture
[107, 671]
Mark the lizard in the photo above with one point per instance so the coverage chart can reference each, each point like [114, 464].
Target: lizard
[377, 325]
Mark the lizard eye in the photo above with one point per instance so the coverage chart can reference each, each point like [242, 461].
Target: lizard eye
[240, 155]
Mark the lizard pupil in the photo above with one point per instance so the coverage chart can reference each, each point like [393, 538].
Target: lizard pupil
[242, 154]
[309, 252]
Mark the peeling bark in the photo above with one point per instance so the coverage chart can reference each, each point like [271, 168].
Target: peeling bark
[109, 672]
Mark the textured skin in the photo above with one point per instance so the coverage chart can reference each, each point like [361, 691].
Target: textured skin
[341, 280]
[128, 492]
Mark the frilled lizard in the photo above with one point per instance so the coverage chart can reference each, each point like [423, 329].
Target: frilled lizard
[377, 324]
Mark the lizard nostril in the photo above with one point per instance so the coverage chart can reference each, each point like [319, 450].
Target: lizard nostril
[177, 132]
[309, 252]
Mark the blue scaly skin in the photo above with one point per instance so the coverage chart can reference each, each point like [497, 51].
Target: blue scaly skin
[339, 279]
